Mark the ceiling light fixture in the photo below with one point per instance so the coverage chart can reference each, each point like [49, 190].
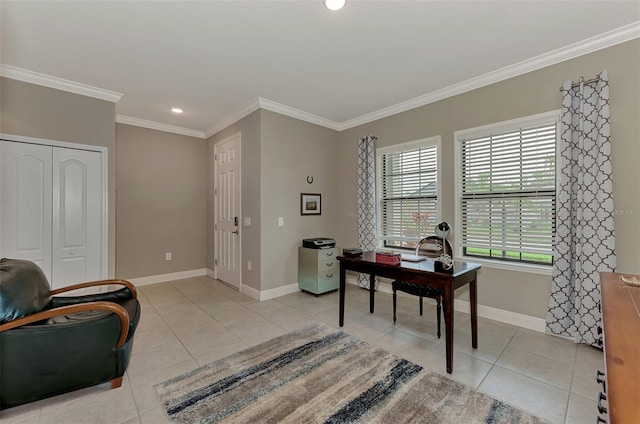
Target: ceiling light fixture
[176, 110]
[334, 5]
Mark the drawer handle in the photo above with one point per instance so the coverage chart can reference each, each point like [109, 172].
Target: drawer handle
[601, 397]
[601, 420]
[329, 275]
[600, 379]
[329, 263]
[329, 253]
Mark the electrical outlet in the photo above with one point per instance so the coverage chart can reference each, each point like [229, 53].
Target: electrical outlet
[249, 265]
[280, 221]
[167, 256]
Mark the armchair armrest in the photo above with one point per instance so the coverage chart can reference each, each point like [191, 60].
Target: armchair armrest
[83, 307]
[125, 283]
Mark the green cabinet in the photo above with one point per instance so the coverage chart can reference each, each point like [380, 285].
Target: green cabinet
[318, 270]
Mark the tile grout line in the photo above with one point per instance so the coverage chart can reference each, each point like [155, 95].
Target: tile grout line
[573, 373]
[494, 363]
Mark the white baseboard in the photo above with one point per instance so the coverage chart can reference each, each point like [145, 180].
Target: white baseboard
[508, 317]
[250, 291]
[514, 318]
[143, 281]
[277, 292]
[488, 312]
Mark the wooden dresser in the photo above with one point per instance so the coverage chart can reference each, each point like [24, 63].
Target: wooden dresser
[621, 318]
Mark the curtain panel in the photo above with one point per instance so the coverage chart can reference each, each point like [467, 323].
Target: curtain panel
[585, 236]
[367, 223]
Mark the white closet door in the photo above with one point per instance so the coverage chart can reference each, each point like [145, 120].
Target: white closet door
[25, 203]
[77, 216]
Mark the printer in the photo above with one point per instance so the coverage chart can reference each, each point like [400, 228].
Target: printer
[318, 243]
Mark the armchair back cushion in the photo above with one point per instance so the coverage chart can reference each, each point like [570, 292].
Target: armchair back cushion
[24, 289]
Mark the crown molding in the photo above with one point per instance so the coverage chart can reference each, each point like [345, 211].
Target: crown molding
[37, 78]
[599, 42]
[130, 120]
[298, 114]
[262, 103]
[607, 39]
[590, 45]
[232, 119]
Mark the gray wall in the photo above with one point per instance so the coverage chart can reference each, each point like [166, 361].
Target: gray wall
[291, 151]
[162, 202]
[35, 111]
[278, 153]
[525, 95]
[249, 128]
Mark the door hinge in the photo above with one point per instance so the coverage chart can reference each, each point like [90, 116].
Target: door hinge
[215, 262]
[215, 191]
[215, 227]
[215, 157]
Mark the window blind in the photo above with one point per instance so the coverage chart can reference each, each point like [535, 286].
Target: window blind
[409, 195]
[508, 195]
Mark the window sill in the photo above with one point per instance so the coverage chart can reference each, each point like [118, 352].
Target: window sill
[509, 266]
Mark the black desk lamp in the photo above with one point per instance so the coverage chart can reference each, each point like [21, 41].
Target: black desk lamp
[445, 262]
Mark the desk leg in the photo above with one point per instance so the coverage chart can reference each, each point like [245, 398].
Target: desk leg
[473, 300]
[372, 288]
[343, 275]
[448, 324]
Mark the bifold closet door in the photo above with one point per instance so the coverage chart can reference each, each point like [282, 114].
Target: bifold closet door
[26, 203]
[51, 210]
[77, 216]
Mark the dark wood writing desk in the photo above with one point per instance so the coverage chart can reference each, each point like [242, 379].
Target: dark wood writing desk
[419, 273]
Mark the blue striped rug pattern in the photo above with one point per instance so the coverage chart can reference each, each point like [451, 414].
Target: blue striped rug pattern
[321, 375]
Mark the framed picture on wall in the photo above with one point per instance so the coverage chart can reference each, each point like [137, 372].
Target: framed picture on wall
[310, 204]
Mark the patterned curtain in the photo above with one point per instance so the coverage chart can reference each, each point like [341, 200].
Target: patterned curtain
[585, 237]
[367, 237]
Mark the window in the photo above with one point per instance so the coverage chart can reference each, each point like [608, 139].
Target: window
[507, 190]
[407, 192]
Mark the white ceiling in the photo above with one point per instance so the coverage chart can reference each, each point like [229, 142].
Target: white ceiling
[220, 59]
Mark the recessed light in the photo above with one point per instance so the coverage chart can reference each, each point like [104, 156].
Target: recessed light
[176, 110]
[334, 4]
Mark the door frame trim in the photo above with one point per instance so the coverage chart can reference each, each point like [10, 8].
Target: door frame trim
[216, 145]
[104, 246]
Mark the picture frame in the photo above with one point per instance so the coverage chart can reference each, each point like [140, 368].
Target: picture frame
[310, 204]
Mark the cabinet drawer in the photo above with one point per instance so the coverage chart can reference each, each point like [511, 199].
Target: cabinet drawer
[326, 284]
[327, 254]
[330, 265]
[328, 273]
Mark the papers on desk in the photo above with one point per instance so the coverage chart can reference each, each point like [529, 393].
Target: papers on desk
[412, 258]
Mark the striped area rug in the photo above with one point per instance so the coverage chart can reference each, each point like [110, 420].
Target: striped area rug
[321, 375]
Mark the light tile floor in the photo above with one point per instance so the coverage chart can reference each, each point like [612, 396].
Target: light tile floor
[191, 322]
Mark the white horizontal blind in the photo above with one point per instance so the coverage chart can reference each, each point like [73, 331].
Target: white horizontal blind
[508, 195]
[409, 195]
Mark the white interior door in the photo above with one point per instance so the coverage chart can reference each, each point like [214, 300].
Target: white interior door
[227, 210]
[26, 203]
[77, 216]
[52, 209]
